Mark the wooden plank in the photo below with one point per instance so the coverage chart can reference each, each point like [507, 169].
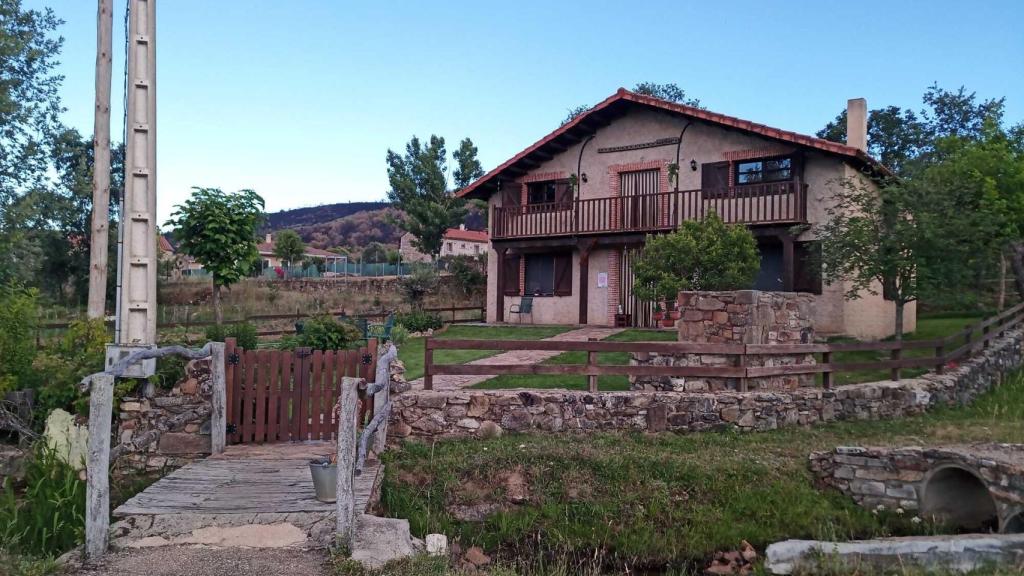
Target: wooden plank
[584, 370]
[218, 398]
[249, 400]
[315, 385]
[327, 394]
[273, 396]
[288, 401]
[97, 488]
[302, 384]
[567, 346]
[346, 505]
[229, 377]
[262, 379]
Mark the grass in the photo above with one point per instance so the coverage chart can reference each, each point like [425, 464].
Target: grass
[571, 382]
[928, 328]
[655, 501]
[411, 353]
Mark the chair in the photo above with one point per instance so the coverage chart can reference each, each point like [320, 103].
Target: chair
[525, 306]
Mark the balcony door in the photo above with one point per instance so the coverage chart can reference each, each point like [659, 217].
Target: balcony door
[639, 201]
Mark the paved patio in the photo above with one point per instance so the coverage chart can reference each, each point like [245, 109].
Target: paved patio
[517, 357]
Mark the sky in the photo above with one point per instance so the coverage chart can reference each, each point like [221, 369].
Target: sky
[300, 100]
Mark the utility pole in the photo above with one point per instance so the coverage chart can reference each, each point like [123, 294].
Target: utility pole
[136, 293]
[101, 163]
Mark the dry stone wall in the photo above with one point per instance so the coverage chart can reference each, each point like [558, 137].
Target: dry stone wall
[735, 317]
[469, 412]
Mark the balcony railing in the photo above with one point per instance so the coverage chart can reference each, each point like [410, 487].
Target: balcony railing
[774, 203]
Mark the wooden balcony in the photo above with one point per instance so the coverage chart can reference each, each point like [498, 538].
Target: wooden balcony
[774, 203]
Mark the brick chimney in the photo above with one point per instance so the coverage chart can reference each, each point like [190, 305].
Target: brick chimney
[270, 238]
[857, 123]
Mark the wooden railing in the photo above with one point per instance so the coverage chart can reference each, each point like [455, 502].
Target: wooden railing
[774, 203]
[943, 351]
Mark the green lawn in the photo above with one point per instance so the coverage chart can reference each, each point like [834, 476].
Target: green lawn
[411, 352]
[647, 501]
[570, 382]
[928, 328]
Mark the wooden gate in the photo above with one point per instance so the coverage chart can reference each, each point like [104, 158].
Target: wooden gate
[289, 396]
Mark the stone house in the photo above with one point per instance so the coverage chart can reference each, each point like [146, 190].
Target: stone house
[457, 242]
[569, 213]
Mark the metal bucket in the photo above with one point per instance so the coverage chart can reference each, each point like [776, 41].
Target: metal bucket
[325, 480]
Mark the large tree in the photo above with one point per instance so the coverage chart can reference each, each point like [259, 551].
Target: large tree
[289, 247]
[467, 166]
[29, 109]
[218, 229]
[419, 188]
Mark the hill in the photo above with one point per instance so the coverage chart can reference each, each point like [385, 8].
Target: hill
[318, 214]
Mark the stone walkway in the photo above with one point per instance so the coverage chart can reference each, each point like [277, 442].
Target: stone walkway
[517, 357]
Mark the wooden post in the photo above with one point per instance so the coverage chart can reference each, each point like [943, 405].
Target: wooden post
[895, 354]
[97, 490]
[218, 402]
[741, 362]
[346, 502]
[826, 377]
[591, 363]
[984, 336]
[788, 263]
[499, 292]
[383, 396]
[428, 364]
[101, 165]
[940, 352]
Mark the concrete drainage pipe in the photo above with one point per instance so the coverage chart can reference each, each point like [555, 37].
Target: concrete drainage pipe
[956, 496]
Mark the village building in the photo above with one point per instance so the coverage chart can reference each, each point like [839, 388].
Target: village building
[569, 213]
[270, 260]
[457, 242]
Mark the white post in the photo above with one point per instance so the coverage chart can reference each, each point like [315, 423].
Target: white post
[347, 459]
[97, 490]
[218, 402]
[101, 165]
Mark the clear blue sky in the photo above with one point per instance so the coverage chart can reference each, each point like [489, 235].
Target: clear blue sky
[300, 100]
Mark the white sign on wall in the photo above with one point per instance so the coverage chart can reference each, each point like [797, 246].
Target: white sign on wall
[602, 279]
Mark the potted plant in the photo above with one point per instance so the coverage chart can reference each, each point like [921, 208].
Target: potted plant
[673, 310]
[659, 314]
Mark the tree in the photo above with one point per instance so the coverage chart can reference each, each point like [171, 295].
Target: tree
[375, 252]
[29, 109]
[700, 255]
[289, 247]
[420, 189]
[218, 229]
[670, 92]
[895, 135]
[467, 167]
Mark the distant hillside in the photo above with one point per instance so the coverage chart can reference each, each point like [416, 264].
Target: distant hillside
[318, 214]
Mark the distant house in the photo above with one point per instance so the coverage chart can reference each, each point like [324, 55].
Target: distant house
[457, 242]
[183, 264]
[269, 260]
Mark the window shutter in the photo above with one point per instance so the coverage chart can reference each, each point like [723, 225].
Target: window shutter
[511, 194]
[714, 176]
[563, 275]
[807, 276]
[563, 192]
[511, 275]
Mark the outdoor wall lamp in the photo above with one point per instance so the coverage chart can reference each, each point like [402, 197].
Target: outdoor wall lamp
[693, 164]
[583, 177]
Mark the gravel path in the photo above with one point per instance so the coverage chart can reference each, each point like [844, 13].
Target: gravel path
[517, 357]
[202, 561]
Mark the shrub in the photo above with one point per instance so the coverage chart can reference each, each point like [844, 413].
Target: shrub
[399, 334]
[323, 333]
[419, 321]
[469, 273]
[49, 517]
[18, 323]
[704, 255]
[65, 360]
[244, 333]
[416, 286]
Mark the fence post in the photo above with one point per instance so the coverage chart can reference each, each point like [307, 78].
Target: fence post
[895, 354]
[984, 336]
[428, 363]
[218, 402]
[345, 505]
[940, 352]
[97, 489]
[826, 376]
[591, 363]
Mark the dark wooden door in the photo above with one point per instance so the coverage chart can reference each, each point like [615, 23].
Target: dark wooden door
[639, 201]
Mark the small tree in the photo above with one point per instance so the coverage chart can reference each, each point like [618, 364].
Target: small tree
[289, 247]
[700, 255]
[218, 229]
[417, 285]
[375, 253]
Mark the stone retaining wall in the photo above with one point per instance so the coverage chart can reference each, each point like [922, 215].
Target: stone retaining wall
[471, 412]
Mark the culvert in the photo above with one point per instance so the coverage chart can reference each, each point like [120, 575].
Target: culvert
[956, 496]
[1014, 524]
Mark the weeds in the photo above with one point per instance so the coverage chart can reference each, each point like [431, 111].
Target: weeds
[48, 518]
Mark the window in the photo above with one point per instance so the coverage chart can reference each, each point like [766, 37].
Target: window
[548, 274]
[764, 170]
[549, 192]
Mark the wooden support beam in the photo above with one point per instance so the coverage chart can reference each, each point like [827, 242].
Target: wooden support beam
[97, 488]
[499, 313]
[788, 263]
[218, 401]
[345, 504]
[584, 247]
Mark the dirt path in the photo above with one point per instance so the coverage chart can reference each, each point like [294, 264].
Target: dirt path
[517, 357]
[202, 561]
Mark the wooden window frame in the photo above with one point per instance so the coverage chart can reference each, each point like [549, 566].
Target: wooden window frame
[554, 205]
[735, 169]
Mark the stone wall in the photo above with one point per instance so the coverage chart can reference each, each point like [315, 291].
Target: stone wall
[471, 412]
[736, 317]
[168, 430]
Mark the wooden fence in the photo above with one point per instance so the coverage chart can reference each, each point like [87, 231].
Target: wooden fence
[941, 352]
[289, 396]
